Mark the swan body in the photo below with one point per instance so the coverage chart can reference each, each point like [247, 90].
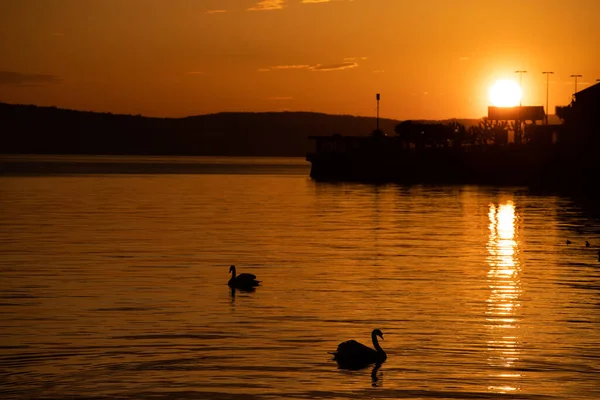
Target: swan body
[354, 355]
[242, 281]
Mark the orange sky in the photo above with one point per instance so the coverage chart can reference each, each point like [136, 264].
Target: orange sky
[429, 59]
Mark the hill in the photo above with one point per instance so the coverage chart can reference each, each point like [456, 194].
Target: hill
[29, 129]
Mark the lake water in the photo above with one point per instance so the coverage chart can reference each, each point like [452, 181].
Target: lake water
[114, 285]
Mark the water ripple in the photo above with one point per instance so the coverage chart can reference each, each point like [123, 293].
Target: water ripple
[114, 287]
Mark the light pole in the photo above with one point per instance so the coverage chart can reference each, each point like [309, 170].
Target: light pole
[519, 125]
[377, 97]
[547, 85]
[520, 72]
[576, 76]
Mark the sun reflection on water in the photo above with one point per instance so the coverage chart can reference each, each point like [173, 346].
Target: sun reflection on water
[505, 290]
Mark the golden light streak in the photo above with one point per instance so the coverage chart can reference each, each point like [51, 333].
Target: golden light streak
[505, 290]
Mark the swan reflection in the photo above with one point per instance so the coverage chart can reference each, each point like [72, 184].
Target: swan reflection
[505, 290]
[234, 290]
[242, 290]
[376, 376]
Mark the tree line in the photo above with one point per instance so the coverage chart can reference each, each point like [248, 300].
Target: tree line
[454, 133]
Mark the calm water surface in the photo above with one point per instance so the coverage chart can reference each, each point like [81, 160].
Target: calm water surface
[115, 286]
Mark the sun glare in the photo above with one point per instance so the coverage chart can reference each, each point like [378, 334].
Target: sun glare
[505, 93]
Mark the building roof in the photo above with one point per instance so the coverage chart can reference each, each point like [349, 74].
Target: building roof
[527, 113]
[591, 93]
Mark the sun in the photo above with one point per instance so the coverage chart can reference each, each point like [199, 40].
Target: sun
[505, 93]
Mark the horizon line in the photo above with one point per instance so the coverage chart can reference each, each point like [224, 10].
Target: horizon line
[240, 112]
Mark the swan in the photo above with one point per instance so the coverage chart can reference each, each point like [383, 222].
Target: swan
[587, 244]
[242, 281]
[354, 355]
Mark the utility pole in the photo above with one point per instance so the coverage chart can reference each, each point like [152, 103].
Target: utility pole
[519, 123]
[576, 76]
[520, 72]
[547, 86]
[377, 96]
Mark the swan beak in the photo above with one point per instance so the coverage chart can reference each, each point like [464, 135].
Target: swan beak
[382, 337]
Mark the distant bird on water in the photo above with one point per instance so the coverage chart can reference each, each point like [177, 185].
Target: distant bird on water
[242, 281]
[568, 241]
[353, 355]
[587, 244]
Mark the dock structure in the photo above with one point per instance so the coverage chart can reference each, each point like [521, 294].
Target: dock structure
[539, 154]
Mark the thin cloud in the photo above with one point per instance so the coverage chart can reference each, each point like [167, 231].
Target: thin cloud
[17, 78]
[334, 67]
[294, 66]
[266, 5]
[216, 11]
[378, 71]
[319, 1]
[314, 67]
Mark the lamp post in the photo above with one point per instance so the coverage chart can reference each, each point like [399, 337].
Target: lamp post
[377, 97]
[547, 86]
[576, 76]
[519, 124]
[520, 72]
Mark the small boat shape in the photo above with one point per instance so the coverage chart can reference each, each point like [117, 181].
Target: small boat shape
[242, 281]
[354, 355]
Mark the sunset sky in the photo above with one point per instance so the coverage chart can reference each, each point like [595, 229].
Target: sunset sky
[429, 59]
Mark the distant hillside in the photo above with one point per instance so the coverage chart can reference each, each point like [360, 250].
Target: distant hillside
[28, 129]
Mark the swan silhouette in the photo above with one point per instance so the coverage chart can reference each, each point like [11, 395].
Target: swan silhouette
[354, 355]
[242, 281]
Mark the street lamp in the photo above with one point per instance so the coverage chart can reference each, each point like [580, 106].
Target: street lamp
[520, 72]
[547, 85]
[576, 76]
[377, 96]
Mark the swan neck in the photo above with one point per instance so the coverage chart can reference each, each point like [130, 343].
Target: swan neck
[233, 273]
[376, 343]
